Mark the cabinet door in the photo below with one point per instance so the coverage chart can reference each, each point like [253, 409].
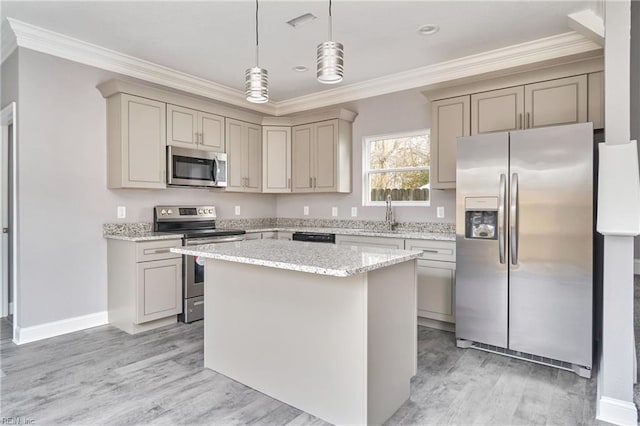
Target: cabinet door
[325, 150]
[252, 158]
[253, 236]
[497, 111]
[234, 143]
[159, 292]
[302, 152]
[596, 99]
[450, 118]
[144, 143]
[276, 163]
[280, 235]
[211, 128]
[436, 294]
[182, 127]
[360, 241]
[270, 235]
[554, 102]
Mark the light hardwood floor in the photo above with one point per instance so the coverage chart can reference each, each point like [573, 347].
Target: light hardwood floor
[105, 376]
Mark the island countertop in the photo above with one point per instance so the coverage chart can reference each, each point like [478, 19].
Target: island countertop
[314, 258]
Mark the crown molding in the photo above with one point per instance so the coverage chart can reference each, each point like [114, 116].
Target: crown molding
[8, 44]
[56, 44]
[531, 53]
[519, 55]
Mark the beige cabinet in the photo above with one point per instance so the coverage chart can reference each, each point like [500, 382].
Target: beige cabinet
[436, 279]
[144, 289]
[253, 236]
[555, 102]
[276, 159]
[451, 118]
[188, 128]
[497, 111]
[321, 155]
[282, 235]
[244, 156]
[270, 235]
[136, 135]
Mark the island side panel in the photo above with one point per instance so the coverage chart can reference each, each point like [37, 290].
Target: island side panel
[298, 337]
[392, 338]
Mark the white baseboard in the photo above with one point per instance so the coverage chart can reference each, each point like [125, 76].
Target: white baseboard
[636, 266]
[616, 411]
[56, 328]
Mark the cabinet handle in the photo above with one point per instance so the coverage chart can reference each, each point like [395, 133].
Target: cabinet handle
[520, 121]
[528, 120]
[157, 251]
[315, 182]
[289, 183]
[310, 182]
[196, 135]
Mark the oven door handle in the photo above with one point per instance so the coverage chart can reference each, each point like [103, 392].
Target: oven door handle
[196, 242]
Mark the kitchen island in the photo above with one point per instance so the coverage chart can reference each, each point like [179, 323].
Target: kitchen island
[328, 329]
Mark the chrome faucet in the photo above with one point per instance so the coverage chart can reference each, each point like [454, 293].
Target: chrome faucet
[389, 221]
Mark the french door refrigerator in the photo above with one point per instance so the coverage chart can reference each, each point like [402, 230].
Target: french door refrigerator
[524, 243]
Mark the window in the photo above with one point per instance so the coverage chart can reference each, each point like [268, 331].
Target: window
[397, 164]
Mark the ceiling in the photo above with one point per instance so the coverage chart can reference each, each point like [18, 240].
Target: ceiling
[215, 40]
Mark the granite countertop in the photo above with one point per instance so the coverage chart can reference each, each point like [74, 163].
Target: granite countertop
[323, 259]
[138, 236]
[434, 236]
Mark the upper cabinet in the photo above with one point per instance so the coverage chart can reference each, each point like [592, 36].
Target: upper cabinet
[244, 156]
[136, 135]
[276, 159]
[188, 128]
[321, 157]
[575, 99]
[450, 119]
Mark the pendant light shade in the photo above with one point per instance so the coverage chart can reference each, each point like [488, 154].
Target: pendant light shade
[256, 78]
[330, 58]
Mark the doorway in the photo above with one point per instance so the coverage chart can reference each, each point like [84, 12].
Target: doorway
[8, 215]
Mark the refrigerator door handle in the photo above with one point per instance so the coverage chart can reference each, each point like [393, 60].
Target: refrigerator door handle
[501, 216]
[513, 219]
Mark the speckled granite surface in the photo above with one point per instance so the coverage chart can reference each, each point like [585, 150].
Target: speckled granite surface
[313, 258]
[135, 231]
[435, 236]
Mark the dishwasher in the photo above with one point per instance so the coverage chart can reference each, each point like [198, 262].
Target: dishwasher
[315, 237]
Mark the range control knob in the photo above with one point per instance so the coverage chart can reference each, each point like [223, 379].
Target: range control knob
[200, 211]
[163, 212]
[210, 211]
[170, 211]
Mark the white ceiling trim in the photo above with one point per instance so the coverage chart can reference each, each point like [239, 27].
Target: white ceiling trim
[56, 44]
[52, 43]
[8, 44]
[541, 50]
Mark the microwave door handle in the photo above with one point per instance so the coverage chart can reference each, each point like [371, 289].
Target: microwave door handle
[214, 170]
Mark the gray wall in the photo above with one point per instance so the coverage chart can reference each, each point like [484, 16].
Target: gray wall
[635, 85]
[9, 80]
[63, 195]
[396, 112]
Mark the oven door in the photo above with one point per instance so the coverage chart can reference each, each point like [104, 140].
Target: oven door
[188, 167]
[193, 270]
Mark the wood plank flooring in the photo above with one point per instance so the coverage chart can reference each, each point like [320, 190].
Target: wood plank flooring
[105, 376]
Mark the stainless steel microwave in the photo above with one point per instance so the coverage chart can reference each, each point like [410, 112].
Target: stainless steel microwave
[190, 167]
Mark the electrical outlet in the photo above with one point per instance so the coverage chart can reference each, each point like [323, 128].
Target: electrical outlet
[122, 212]
[334, 211]
[305, 210]
[237, 210]
[440, 212]
[354, 212]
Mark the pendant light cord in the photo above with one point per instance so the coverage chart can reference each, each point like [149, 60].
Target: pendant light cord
[257, 42]
[330, 23]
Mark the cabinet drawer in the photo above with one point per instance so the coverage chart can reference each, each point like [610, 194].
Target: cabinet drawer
[270, 235]
[253, 236]
[356, 240]
[156, 250]
[436, 290]
[444, 251]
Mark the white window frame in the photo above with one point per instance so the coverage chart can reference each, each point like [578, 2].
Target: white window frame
[366, 151]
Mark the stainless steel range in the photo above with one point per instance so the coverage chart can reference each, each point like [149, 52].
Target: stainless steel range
[198, 225]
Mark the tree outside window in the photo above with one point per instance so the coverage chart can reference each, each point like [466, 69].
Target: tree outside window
[397, 165]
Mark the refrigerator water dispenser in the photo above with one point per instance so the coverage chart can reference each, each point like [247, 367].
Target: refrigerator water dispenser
[481, 218]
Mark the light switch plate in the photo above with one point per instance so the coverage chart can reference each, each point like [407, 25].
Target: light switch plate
[305, 210]
[122, 212]
[237, 210]
[440, 212]
[354, 212]
[334, 211]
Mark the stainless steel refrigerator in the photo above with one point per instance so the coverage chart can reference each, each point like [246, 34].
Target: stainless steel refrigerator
[524, 225]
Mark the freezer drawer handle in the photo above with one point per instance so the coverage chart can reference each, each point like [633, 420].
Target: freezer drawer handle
[501, 200]
[514, 219]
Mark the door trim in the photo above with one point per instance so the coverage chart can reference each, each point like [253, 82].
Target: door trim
[8, 116]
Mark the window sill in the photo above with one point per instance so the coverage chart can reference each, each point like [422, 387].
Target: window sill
[398, 204]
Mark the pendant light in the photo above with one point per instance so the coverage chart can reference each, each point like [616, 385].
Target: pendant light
[256, 78]
[330, 60]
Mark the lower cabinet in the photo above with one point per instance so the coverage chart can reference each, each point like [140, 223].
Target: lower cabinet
[253, 236]
[436, 290]
[281, 235]
[144, 284]
[269, 235]
[360, 241]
